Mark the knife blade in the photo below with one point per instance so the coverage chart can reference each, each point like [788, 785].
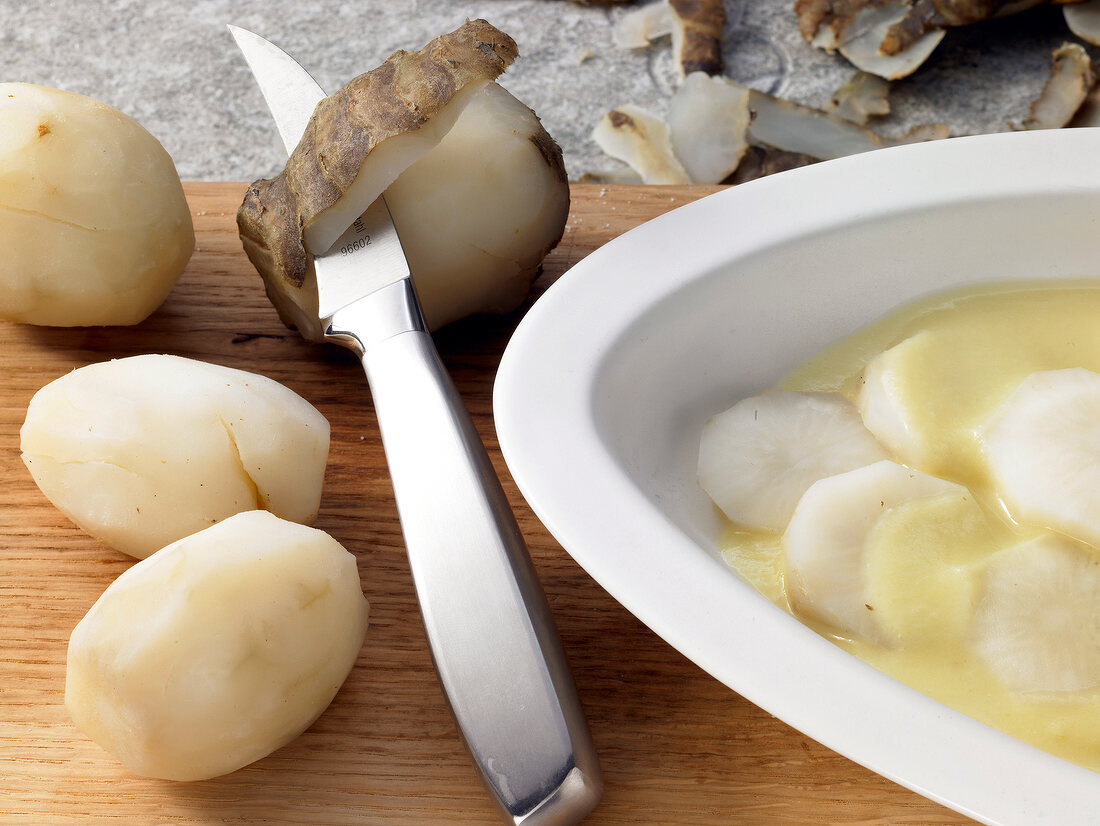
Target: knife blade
[496, 652]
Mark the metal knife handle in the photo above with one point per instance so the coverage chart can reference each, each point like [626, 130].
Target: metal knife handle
[492, 639]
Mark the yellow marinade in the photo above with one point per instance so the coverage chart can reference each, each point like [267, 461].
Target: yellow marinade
[964, 353]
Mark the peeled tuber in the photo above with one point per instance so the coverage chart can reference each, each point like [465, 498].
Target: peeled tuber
[142, 451]
[218, 649]
[476, 187]
[93, 222]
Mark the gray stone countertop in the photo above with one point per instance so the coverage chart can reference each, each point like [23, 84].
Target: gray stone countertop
[173, 67]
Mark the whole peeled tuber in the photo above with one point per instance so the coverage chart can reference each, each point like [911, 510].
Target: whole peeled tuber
[476, 187]
[142, 451]
[218, 649]
[94, 225]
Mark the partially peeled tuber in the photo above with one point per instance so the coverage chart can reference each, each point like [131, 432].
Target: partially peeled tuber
[476, 186]
[475, 240]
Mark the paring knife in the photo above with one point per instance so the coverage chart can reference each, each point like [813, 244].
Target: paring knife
[492, 639]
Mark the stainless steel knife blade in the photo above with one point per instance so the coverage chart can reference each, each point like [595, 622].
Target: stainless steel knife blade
[290, 91]
[496, 652]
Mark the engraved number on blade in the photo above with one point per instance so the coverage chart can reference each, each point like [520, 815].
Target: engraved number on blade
[354, 246]
[358, 243]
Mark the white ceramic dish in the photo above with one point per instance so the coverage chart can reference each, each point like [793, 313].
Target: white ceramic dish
[602, 392]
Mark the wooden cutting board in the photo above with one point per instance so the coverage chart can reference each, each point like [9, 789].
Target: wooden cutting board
[676, 746]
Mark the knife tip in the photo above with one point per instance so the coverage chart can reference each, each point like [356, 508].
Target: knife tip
[238, 32]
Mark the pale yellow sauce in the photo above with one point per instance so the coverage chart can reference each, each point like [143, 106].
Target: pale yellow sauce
[974, 348]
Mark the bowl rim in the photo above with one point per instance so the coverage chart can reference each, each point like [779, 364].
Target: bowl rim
[546, 394]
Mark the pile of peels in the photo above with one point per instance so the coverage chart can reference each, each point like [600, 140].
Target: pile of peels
[719, 131]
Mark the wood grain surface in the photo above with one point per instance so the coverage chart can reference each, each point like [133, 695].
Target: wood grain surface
[676, 746]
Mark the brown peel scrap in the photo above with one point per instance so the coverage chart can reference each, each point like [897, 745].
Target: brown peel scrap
[699, 45]
[1089, 113]
[891, 38]
[864, 96]
[695, 26]
[640, 139]
[926, 15]
[701, 141]
[863, 41]
[822, 22]
[1064, 92]
[858, 29]
[640, 27]
[708, 119]
[761, 161]
[826, 20]
[722, 131]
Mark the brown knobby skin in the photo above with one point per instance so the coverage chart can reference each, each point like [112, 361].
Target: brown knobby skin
[932, 14]
[832, 14]
[761, 161]
[923, 16]
[702, 23]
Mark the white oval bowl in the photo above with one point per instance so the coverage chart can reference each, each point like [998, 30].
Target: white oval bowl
[602, 392]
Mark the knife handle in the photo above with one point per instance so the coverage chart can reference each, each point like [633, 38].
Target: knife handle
[492, 639]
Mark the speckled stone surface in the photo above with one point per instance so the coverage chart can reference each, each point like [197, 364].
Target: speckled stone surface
[173, 66]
